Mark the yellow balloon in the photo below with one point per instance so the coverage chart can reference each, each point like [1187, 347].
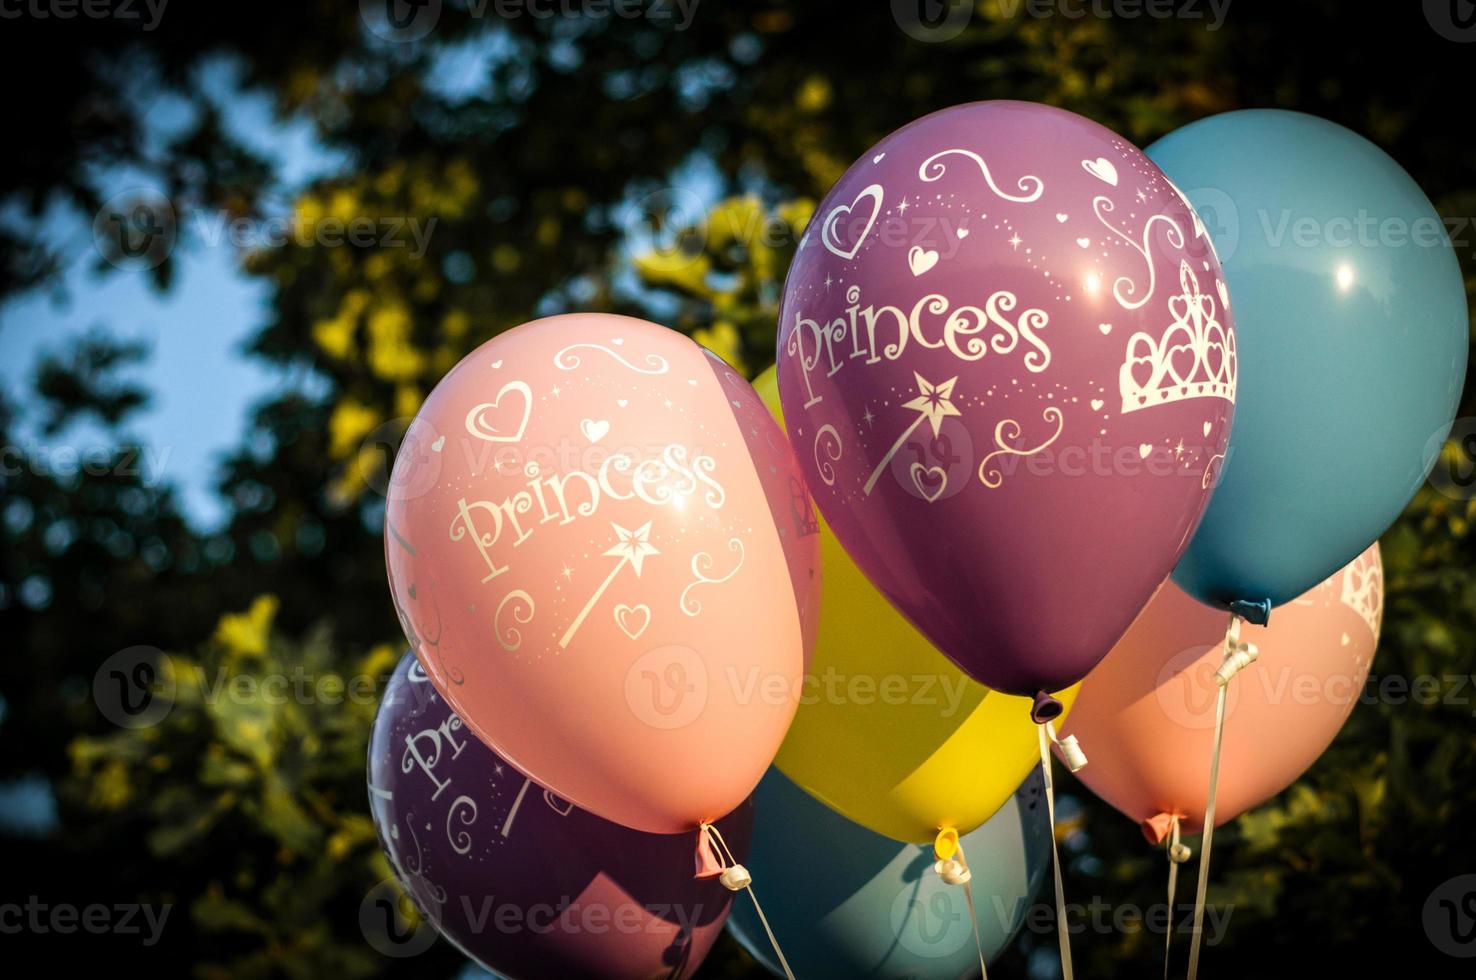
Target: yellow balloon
[889, 732]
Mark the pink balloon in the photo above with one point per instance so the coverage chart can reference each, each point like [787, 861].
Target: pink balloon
[601, 551]
[1146, 715]
[1008, 368]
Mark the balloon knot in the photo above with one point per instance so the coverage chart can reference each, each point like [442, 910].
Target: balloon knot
[953, 872]
[1045, 708]
[1252, 611]
[710, 863]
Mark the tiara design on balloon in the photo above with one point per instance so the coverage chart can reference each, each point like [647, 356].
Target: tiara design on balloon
[1194, 357]
[1363, 589]
[804, 510]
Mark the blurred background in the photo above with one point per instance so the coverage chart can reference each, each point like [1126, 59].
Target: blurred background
[239, 245]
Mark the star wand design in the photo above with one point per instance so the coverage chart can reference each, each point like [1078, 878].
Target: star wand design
[934, 403]
[631, 548]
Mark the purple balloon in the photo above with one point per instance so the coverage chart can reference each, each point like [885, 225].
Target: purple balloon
[1008, 368]
[520, 880]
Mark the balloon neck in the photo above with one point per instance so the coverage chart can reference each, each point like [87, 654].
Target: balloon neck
[1158, 827]
[1045, 708]
[1252, 611]
[709, 864]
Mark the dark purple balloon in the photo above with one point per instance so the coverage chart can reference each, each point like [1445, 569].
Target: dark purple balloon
[1008, 368]
[519, 879]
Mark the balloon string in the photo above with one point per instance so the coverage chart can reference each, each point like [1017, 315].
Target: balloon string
[1177, 855]
[1238, 655]
[789, 974]
[768, 930]
[1209, 836]
[968, 887]
[1063, 933]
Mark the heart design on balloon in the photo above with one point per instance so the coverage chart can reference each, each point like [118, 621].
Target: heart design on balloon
[924, 476]
[486, 421]
[1214, 356]
[633, 620]
[872, 193]
[1102, 169]
[594, 429]
[1181, 361]
[1141, 366]
[920, 259]
[1013, 365]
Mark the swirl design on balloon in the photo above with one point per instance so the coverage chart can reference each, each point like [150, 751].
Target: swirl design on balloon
[702, 563]
[1211, 474]
[1124, 289]
[931, 170]
[1008, 430]
[459, 838]
[833, 449]
[416, 871]
[567, 360]
[509, 637]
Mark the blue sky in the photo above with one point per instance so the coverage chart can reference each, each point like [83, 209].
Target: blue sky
[202, 385]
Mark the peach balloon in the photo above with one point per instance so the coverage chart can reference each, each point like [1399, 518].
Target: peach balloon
[601, 552]
[1146, 715]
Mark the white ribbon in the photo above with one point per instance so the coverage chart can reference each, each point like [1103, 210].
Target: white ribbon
[1238, 656]
[1177, 855]
[745, 883]
[1063, 933]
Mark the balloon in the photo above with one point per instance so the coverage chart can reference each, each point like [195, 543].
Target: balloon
[893, 735]
[1149, 708]
[1008, 374]
[852, 904]
[1351, 328]
[519, 879]
[601, 551]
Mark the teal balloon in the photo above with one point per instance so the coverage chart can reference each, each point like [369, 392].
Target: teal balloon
[848, 903]
[1351, 335]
